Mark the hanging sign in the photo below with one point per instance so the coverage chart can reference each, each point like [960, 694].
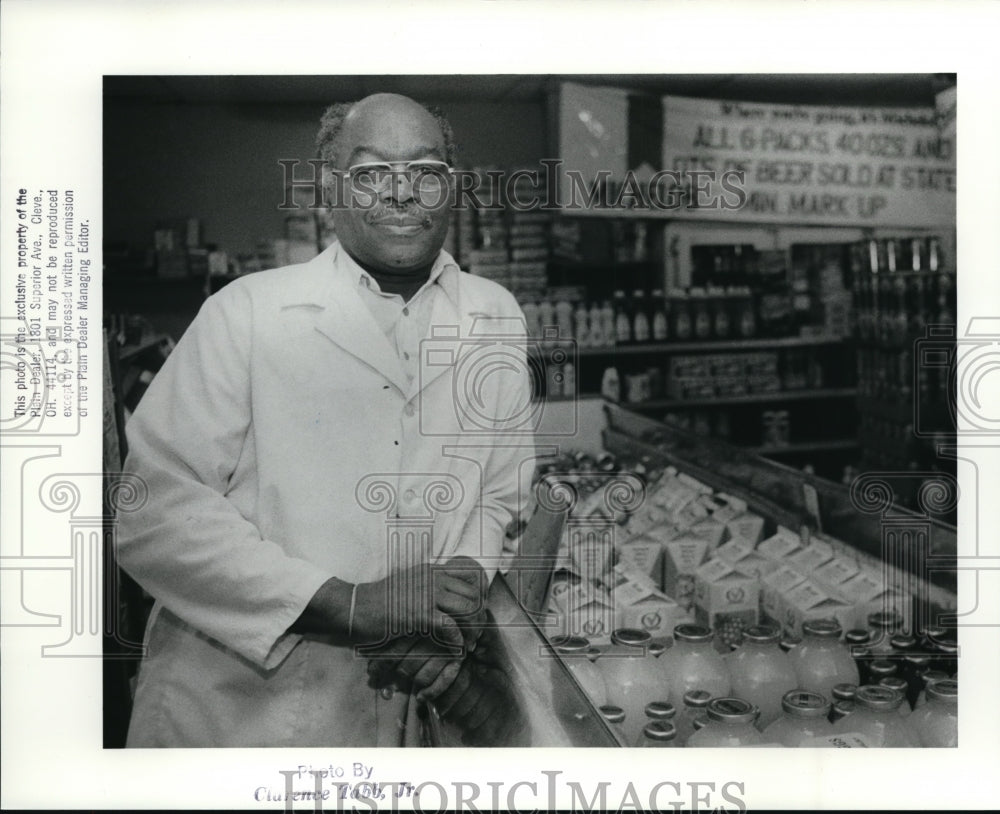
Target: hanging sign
[861, 166]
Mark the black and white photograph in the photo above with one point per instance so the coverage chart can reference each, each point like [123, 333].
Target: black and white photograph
[353, 412]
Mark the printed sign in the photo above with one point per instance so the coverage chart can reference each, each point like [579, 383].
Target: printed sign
[813, 164]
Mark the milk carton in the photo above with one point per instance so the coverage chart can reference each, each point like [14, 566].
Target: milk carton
[681, 558]
[723, 595]
[713, 530]
[748, 526]
[591, 613]
[808, 559]
[638, 604]
[780, 545]
[867, 593]
[809, 601]
[836, 572]
[774, 588]
[643, 554]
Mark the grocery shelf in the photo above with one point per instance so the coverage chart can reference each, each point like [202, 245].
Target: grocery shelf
[721, 345]
[806, 446]
[749, 398]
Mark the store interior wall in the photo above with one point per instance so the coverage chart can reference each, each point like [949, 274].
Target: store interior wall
[218, 162]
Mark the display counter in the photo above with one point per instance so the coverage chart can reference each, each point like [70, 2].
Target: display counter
[516, 690]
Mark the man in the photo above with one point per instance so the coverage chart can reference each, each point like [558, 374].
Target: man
[306, 464]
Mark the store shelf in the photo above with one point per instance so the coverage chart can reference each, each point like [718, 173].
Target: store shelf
[749, 398]
[806, 446]
[720, 346]
[131, 351]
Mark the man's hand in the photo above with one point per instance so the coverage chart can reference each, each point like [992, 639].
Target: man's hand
[414, 663]
[444, 602]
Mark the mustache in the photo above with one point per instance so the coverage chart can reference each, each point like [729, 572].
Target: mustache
[409, 215]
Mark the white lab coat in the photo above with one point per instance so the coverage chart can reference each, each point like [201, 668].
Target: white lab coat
[281, 444]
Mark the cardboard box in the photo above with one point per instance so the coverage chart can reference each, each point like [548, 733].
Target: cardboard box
[712, 530]
[748, 526]
[781, 545]
[774, 588]
[810, 558]
[590, 613]
[809, 601]
[681, 559]
[722, 593]
[734, 550]
[755, 565]
[867, 594]
[644, 554]
[591, 547]
[836, 572]
[640, 605]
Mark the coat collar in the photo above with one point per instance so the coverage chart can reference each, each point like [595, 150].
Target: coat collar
[344, 319]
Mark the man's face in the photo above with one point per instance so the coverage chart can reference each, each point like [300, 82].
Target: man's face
[388, 228]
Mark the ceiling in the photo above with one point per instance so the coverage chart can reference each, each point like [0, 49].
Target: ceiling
[838, 89]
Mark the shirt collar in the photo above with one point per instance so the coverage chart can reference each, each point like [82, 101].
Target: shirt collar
[442, 272]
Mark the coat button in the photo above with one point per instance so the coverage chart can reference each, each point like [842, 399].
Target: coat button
[386, 693]
[409, 409]
[409, 495]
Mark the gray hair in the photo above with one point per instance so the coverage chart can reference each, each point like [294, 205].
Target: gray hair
[332, 123]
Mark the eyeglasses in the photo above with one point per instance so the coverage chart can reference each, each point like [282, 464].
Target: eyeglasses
[424, 175]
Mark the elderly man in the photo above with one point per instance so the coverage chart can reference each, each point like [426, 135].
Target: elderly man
[327, 497]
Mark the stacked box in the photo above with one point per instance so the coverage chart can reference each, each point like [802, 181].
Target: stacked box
[640, 604]
[681, 559]
[725, 597]
[774, 588]
[781, 545]
[644, 555]
[808, 601]
[748, 527]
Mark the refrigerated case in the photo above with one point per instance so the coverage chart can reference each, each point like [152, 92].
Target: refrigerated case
[528, 692]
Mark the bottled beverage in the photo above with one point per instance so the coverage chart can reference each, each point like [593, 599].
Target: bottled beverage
[804, 716]
[915, 667]
[641, 328]
[660, 326]
[608, 324]
[695, 702]
[701, 317]
[879, 669]
[662, 711]
[761, 673]
[574, 652]
[720, 313]
[902, 644]
[899, 685]
[730, 724]
[546, 315]
[615, 717]
[746, 317]
[623, 320]
[841, 693]
[882, 625]
[564, 318]
[928, 678]
[936, 722]
[680, 308]
[822, 660]
[857, 641]
[694, 664]
[632, 678]
[789, 642]
[659, 734]
[877, 720]
[596, 337]
[581, 325]
[840, 710]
